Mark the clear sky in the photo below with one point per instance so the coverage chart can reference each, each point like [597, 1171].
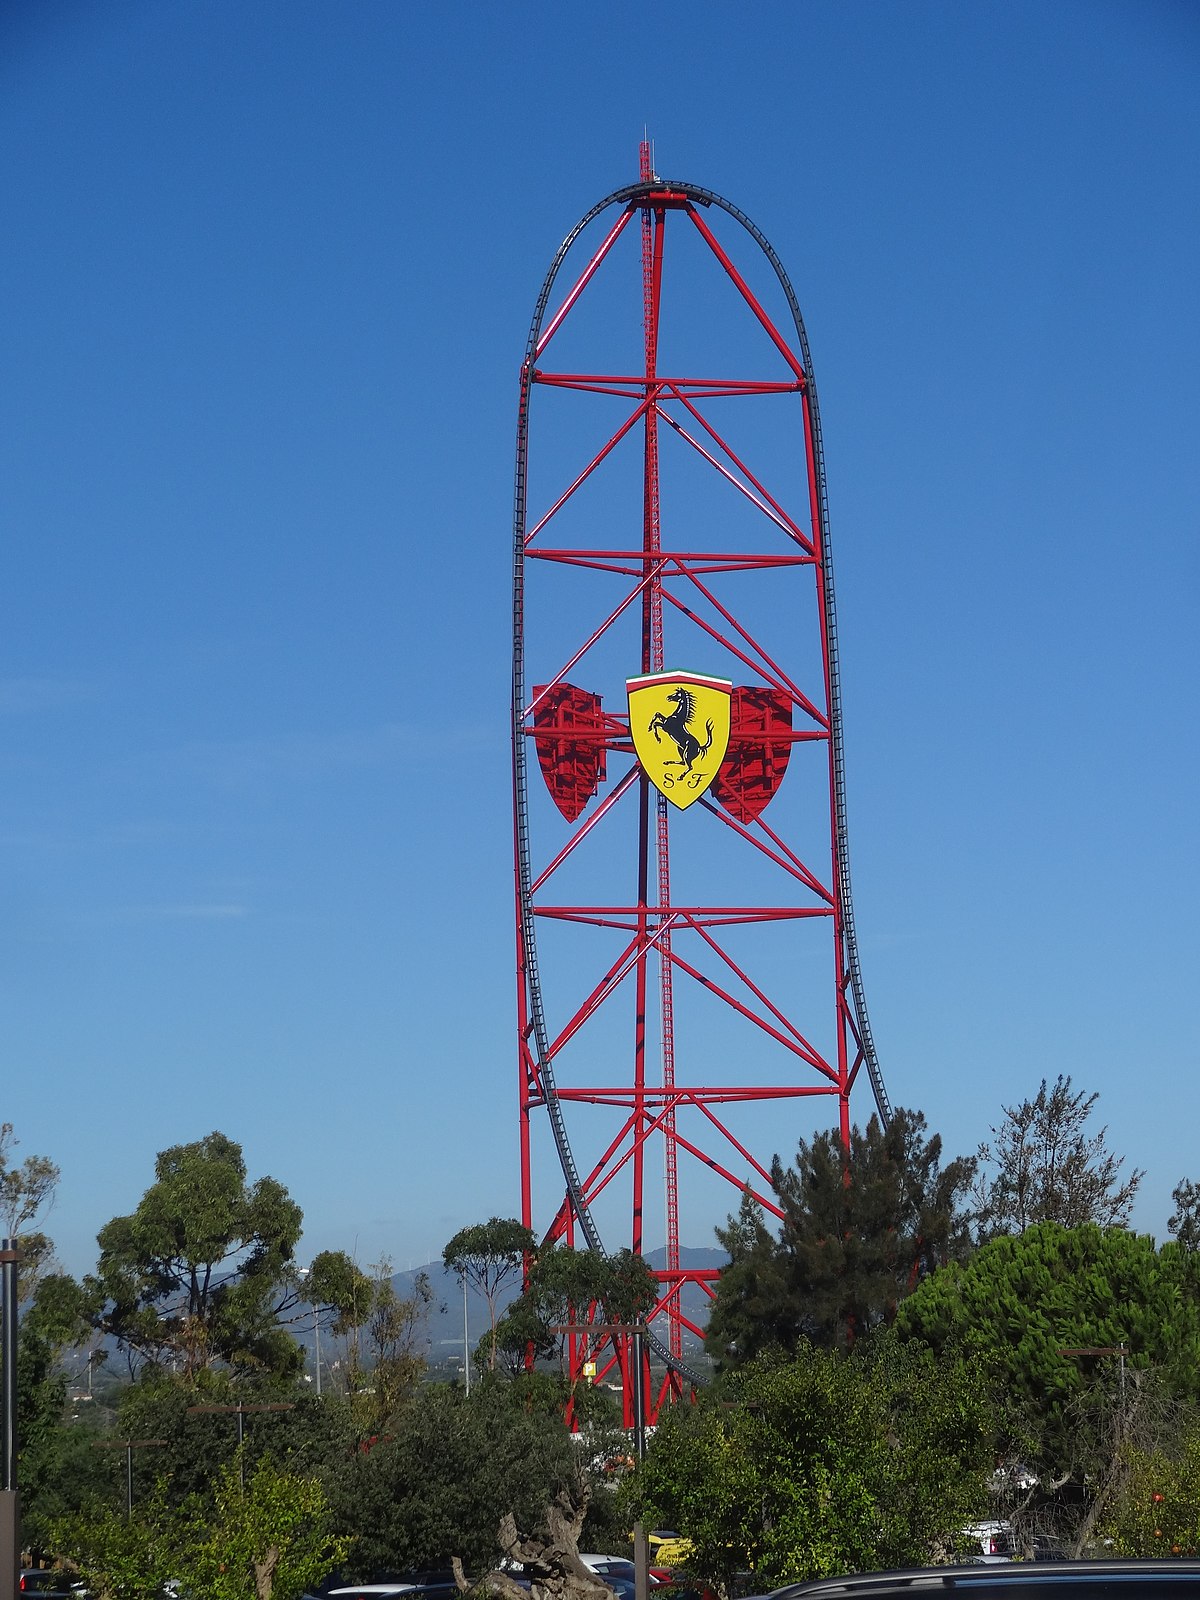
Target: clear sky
[266, 276]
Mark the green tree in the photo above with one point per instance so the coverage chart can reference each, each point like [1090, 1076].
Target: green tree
[385, 1357]
[450, 1468]
[203, 1271]
[119, 1558]
[1157, 1512]
[25, 1190]
[265, 1538]
[1184, 1222]
[823, 1464]
[1022, 1301]
[309, 1436]
[488, 1256]
[860, 1228]
[1044, 1167]
[269, 1539]
[571, 1288]
[757, 1307]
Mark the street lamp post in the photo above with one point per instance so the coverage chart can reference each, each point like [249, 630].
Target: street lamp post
[10, 1500]
[129, 1446]
[466, 1339]
[242, 1411]
[316, 1311]
[637, 1331]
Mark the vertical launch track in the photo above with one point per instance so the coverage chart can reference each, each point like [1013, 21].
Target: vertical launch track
[684, 976]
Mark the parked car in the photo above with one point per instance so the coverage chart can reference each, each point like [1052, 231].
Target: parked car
[609, 1566]
[429, 1584]
[1017, 1580]
[993, 1537]
[48, 1583]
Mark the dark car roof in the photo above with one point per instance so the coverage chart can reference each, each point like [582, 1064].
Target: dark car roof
[1028, 1580]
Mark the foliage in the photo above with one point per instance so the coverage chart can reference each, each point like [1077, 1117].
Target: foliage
[59, 1469]
[487, 1256]
[197, 1441]
[385, 1354]
[757, 1308]
[1158, 1510]
[859, 1230]
[269, 1540]
[24, 1190]
[265, 1539]
[1184, 1222]
[1047, 1169]
[823, 1464]
[450, 1468]
[202, 1272]
[1022, 1301]
[119, 1558]
[569, 1288]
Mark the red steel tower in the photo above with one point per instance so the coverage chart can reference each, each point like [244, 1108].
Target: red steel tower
[687, 970]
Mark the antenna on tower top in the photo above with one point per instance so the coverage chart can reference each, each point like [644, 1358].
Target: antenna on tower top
[646, 158]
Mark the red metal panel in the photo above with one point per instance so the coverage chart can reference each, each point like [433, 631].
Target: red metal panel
[570, 744]
[760, 742]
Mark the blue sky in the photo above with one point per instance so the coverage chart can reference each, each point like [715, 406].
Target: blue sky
[267, 275]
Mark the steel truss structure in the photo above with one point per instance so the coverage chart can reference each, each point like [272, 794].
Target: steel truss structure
[630, 914]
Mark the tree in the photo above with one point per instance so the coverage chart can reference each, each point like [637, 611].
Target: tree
[270, 1538]
[1184, 1222]
[1157, 1512]
[24, 1191]
[449, 1469]
[823, 1464]
[386, 1352]
[1045, 1168]
[1024, 1301]
[487, 1256]
[203, 1271]
[262, 1536]
[859, 1230]
[757, 1307]
[549, 1562]
[568, 1288]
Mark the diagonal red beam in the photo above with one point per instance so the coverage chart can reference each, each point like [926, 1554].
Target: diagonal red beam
[639, 411]
[581, 834]
[805, 1052]
[754, 989]
[583, 650]
[767, 665]
[775, 511]
[585, 277]
[744, 290]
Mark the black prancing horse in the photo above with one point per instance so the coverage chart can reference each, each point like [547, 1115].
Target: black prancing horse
[676, 726]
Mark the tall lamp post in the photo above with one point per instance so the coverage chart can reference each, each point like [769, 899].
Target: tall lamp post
[637, 1332]
[242, 1412]
[316, 1311]
[129, 1446]
[10, 1500]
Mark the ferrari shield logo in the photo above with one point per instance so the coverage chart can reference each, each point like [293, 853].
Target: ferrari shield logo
[680, 727]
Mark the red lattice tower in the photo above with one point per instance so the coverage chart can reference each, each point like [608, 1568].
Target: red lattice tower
[711, 557]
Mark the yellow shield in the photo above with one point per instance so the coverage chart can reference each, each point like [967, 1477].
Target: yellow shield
[680, 727]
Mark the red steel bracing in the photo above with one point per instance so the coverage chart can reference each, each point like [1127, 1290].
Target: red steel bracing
[661, 599]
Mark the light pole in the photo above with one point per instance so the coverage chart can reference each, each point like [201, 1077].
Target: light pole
[466, 1339]
[637, 1330]
[316, 1311]
[10, 1500]
[129, 1446]
[242, 1411]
